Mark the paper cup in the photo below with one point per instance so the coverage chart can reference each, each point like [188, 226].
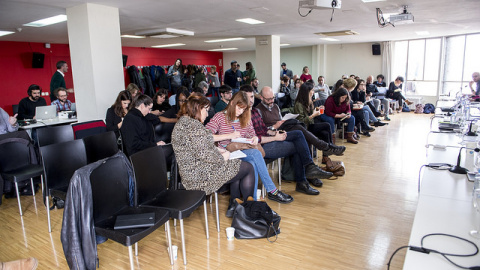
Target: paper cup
[230, 233]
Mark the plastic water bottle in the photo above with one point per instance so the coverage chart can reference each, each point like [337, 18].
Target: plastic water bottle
[453, 118]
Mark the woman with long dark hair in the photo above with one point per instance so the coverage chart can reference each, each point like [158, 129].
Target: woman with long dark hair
[116, 113]
[175, 74]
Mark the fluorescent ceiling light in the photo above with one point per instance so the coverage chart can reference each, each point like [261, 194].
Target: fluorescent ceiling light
[47, 21]
[249, 21]
[284, 44]
[4, 33]
[224, 40]
[370, 1]
[422, 33]
[165, 31]
[165, 36]
[223, 49]
[132, 36]
[169, 45]
[330, 39]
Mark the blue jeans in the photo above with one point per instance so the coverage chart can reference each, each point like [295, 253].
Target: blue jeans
[296, 145]
[331, 121]
[369, 114]
[255, 158]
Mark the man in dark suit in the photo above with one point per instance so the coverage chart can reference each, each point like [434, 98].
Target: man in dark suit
[58, 79]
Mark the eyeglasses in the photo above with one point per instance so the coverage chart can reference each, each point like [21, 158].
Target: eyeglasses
[268, 99]
[182, 100]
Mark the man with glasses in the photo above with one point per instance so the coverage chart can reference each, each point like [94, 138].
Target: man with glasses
[225, 96]
[62, 103]
[476, 80]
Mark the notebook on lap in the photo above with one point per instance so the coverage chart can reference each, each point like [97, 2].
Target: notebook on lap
[45, 112]
[134, 221]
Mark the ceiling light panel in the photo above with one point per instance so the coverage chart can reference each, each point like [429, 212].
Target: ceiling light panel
[330, 39]
[371, 1]
[168, 45]
[249, 21]
[4, 33]
[224, 40]
[223, 49]
[47, 21]
[165, 31]
[132, 36]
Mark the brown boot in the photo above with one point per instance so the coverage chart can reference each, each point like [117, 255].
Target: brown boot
[350, 138]
[333, 138]
[408, 102]
[23, 264]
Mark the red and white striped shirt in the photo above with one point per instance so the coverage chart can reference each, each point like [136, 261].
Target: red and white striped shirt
[219, 126]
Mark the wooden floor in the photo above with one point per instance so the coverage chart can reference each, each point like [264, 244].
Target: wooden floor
[355, 223]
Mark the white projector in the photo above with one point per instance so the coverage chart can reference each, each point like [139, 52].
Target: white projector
[402, 18]
[320, 4]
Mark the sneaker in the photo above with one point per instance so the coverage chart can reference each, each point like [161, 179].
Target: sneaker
[379, 124]
[280, 197]
[386, 118]
[334, 150]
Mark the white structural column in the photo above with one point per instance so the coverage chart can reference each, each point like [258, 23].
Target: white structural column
[267, 54]
[319, 54]
[96, 55]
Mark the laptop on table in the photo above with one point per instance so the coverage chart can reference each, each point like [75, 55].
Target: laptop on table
[46, 112]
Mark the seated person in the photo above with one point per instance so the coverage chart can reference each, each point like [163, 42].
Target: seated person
[7, 123]
[170, 116]
[203, 91]
[337, 106]
[62, 103]
[371, 92]
[202, 165]
[225, 96]
[294, 90]
[359, 96]
[283, 144]
[379, 82]
[137, 131]
[28, 105]
[270, 113]
[357, 109]
[204, 87]
[235, 122]
[321, 91]
[285, 101]
[160, 103]
[395, 92]
[133, 89]
[116, 113]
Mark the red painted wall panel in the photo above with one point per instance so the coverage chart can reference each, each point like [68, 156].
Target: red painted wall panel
[18, 74]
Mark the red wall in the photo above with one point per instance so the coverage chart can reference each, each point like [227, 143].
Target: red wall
[18, 74]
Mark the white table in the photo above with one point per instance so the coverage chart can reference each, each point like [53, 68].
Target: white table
[52, 122]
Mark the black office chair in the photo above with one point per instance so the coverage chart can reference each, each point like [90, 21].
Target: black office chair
[100, 146]
[16, 164]
[151, 189]
[60, 161]
[85, 129]
[108, 203]
[54, 134]
[163, 132]
[15, 108]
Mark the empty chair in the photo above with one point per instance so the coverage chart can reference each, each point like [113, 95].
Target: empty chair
[54, 134]
[60, 161]
[85, 129]
[108, 203]
[151, 189]
[17, 166]
[100, 146]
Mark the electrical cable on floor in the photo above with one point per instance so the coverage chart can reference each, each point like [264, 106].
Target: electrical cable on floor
[422, 249]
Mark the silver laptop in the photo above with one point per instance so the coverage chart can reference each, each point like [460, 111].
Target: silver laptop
[46, 112]
[73, 107]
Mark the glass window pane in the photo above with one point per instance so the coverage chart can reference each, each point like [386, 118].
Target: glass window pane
[399, 60]
[452, 88]
[426, 88]
[454, 58]
[432, 59]
[416, 56]
[472, 57]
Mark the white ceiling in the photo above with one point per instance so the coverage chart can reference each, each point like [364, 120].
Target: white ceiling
[213, 19]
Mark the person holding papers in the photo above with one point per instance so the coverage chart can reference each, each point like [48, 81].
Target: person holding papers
[202, 165]
[236, 119]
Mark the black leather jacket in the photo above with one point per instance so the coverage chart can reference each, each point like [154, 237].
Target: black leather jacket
[78, 231]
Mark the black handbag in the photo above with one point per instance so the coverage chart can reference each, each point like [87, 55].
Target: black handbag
[255, 219]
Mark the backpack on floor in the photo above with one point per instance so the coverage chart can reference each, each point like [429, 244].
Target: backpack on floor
[429, 108]
[419, 108]
[405, 108]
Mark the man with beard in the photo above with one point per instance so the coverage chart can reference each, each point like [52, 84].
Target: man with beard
[62, 103]
[26, 107]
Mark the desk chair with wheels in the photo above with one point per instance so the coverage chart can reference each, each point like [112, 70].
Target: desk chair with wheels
[151, 189]
[54, 134]
[17, 166]
[60, 161]
[109, 203]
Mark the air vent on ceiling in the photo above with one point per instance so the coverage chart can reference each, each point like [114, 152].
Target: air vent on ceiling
[337, 33]
[165, 33]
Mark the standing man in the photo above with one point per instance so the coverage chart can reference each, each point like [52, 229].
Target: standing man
[58, 79]
[62, 103]
[233, 77]
[285, 72]
[26, 107]
[225, 96]
[476, 80]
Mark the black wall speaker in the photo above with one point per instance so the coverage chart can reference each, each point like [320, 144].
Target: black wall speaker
[124, 57]
[37, 60]
[376, 49]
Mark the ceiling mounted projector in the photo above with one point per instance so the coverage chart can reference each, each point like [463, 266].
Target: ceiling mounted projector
[320, 4]
[403, 18]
